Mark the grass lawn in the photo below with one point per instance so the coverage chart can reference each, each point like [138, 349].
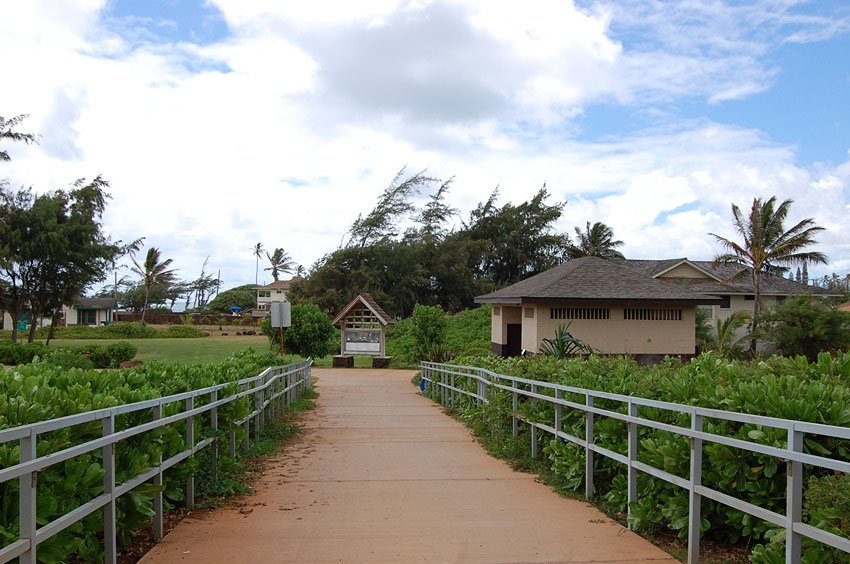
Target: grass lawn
[203, 350]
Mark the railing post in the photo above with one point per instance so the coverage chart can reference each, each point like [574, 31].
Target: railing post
[534, 449]
[258, 414]
[190, 442]
[27, 497]
[632, 456]
[793, 499]
[559, 411]
[110, 552]
[452, 391]
[588, 454]
[515, 408]
[695, 499]
[157, 482]
[214, 426]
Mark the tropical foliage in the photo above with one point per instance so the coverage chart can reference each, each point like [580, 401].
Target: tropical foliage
[39, 391]
[765, 246]
[311, 333]
[564, 344]
[806, 325]
[154, 273]
[405, 255]
[596, 240]
[789, 388]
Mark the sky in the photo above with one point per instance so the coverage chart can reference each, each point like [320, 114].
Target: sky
[223, 123]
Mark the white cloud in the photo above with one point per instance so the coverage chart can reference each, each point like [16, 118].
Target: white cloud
[287, 129]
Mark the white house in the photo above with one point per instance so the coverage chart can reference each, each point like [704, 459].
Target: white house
[84, 311]
[274, 292]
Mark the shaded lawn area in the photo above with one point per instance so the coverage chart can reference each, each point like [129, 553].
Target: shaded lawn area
[204, 350]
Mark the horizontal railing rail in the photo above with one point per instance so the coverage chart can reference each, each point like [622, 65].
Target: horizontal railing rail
[448, 384]
[273, 391]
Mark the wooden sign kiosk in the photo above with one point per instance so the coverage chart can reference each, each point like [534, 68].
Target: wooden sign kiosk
[362, 323]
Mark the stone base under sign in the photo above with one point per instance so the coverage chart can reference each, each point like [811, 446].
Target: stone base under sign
[343, 361]
[381, 361]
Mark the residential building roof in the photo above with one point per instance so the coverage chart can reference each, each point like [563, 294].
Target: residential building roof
[278, 285]
[594, 279]
[723, 278]
[95, 303]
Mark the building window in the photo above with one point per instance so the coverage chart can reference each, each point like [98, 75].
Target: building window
[652, 314]
[87, 317]
[264, 294]
[497, 310]
[709, 311]
[529, 313]
[579, 313]
[750, 298]
[726, 303]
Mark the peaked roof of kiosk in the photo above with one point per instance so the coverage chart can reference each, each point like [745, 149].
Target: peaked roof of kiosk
[591, 278]
[371, 305]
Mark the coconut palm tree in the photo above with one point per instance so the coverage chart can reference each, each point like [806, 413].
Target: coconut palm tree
[154, 272]
[280, 262]
[596, 240]
[258, 253]
[766, 247]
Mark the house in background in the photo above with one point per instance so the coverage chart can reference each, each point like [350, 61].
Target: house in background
[644, 308]
[90, 311]
[732, 284]
[274, 292]
[612, 307]
[84, 311]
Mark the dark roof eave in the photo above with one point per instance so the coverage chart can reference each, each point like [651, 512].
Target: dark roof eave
[708, 300]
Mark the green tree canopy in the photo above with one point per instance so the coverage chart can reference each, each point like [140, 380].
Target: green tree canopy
[806, 325]
[244, 296]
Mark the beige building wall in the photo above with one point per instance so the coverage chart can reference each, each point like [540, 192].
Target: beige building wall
[502, 316]
[617, 335]
[530, 319]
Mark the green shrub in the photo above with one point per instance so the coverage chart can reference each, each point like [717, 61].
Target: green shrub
[121, 351]
[181, 332]
[806, 325]
[127, 331]
[311, 333]
[428, 327]
[69, 358]
[789, 388]
[21, 353]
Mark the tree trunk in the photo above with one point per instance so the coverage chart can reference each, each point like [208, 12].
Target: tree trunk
[16, 316]
[35, 317]
[53, 321]
[756, 311]
[145, 306]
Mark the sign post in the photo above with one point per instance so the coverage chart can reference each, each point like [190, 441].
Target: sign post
[281, 313]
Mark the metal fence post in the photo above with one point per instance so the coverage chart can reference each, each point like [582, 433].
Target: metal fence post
[26, 498]
[258, 415]
[632, 456]
[190, 441]
[588, 454]
[534, 449]
[559, 411]
[157, 482]
[108, 454]
[793, 499]
[515, 407]
[214, 426]
[694, 499]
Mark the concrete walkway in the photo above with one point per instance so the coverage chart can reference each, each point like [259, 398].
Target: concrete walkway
[380, 474]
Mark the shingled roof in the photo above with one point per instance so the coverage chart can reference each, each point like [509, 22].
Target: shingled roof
[95, 303]
[728, 278]
[371, 305]
[594, 279]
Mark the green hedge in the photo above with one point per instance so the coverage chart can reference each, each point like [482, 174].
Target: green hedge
[778, 387]
[89, 356]
[35, 392]
[116, 331]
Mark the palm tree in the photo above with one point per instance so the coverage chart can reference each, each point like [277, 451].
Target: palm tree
[595, 241]
[280, 262]
[726, 341]
[766, 247]
[154, 273]
[258, 252]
